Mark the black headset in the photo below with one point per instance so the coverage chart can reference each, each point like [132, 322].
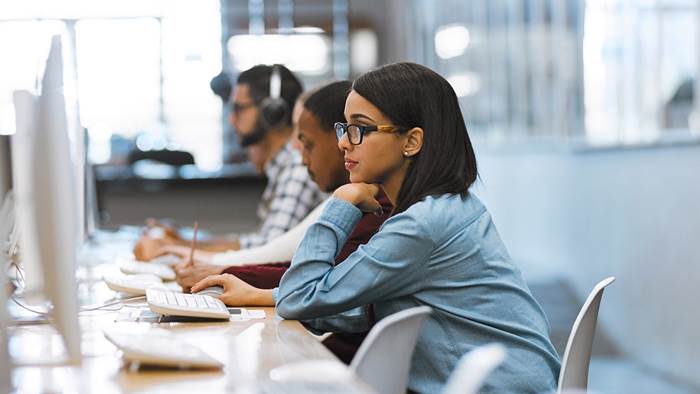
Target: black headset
[273, 109]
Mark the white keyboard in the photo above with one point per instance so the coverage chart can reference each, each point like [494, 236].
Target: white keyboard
[136, 267]
[163, 349]
[166, 259]
[178, 304]
[132, 284]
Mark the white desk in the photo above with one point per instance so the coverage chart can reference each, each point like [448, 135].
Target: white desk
[249, 349]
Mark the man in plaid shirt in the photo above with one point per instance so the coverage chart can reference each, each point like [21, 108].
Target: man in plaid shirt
[290, 194]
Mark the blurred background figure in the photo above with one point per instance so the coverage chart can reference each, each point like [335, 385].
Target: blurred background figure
[262, 118]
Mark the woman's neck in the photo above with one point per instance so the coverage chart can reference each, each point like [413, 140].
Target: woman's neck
[392, 185]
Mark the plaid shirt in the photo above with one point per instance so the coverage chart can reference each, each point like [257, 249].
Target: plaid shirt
[289, 196]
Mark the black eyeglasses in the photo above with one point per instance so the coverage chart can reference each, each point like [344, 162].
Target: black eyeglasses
[356, 132]
[239, 107]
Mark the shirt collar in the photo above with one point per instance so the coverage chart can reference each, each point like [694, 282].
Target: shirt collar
[280, 160]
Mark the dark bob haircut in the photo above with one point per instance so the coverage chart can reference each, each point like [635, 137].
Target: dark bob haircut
[412, 95]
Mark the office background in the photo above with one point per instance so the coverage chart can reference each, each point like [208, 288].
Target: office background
[583, 114]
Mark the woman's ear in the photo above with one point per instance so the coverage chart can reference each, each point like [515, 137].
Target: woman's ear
[413, 142]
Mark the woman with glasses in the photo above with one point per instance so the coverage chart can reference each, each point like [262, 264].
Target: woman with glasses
[405, 134]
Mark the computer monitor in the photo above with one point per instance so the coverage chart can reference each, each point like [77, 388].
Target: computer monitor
[7, 215]
[26, 115]
[90, 202]
[6, 225]
[5, 166]
[47, 198]
[84, 174]
[6, 200]
[76, 135]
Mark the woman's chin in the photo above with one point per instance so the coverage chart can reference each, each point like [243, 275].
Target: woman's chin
[357, 178]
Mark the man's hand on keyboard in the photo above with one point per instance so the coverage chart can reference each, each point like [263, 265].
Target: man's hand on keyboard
[236, 291]
[187, 274]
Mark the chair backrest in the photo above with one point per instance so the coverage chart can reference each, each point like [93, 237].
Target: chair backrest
[473, 369]
[383, 360]
[577, 355]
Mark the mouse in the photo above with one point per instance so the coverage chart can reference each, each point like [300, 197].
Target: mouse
[213, 291]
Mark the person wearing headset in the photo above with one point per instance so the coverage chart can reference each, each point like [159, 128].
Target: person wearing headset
[261, 116]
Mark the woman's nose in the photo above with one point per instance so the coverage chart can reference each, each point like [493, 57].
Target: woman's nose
[344, 143]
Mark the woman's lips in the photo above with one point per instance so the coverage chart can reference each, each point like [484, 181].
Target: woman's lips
[350, 164]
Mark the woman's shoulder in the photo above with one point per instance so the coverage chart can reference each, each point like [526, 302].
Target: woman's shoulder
[449, 204]
[436, 211]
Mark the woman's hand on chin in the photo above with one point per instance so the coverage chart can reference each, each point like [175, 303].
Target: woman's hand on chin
[361, 195]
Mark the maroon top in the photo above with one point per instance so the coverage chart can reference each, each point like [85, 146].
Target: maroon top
[268, 276]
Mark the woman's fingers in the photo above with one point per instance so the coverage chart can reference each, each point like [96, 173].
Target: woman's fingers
[209, 281]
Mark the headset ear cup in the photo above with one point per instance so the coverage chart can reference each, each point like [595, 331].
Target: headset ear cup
[273, 112]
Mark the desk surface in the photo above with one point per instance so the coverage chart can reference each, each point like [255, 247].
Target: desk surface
[249, 349]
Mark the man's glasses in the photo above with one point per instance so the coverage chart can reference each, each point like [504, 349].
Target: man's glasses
[356, 132]
[239, 107]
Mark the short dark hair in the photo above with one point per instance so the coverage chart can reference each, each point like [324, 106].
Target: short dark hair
[327, 103]
[258, 80]
[412, 95]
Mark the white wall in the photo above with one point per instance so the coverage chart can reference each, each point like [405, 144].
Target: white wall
[634, 214]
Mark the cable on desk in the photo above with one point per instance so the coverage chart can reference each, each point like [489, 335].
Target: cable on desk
[113, 303]
[90, 309]
[14, 299]
[20, 273]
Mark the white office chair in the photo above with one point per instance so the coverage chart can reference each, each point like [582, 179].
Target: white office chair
[577, 355]
[473, 369]
[383, 360]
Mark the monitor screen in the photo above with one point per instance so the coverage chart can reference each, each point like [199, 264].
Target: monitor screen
[47, 197]
[5, 166]
[6, 202]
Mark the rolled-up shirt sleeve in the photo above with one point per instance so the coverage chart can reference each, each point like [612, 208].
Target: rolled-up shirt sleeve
[276, 250]
[390, 265]
[294, 196]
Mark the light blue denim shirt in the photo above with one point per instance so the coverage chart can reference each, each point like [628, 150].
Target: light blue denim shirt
[443, 252]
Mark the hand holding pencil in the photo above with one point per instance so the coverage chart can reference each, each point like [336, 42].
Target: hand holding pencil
[190, 261]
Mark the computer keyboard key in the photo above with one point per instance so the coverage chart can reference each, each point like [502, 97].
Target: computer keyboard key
[172, 304]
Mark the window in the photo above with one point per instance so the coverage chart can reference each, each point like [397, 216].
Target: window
[119, 75]
[605, 71]
[24, 46]
[143, 71]
[640, 66]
